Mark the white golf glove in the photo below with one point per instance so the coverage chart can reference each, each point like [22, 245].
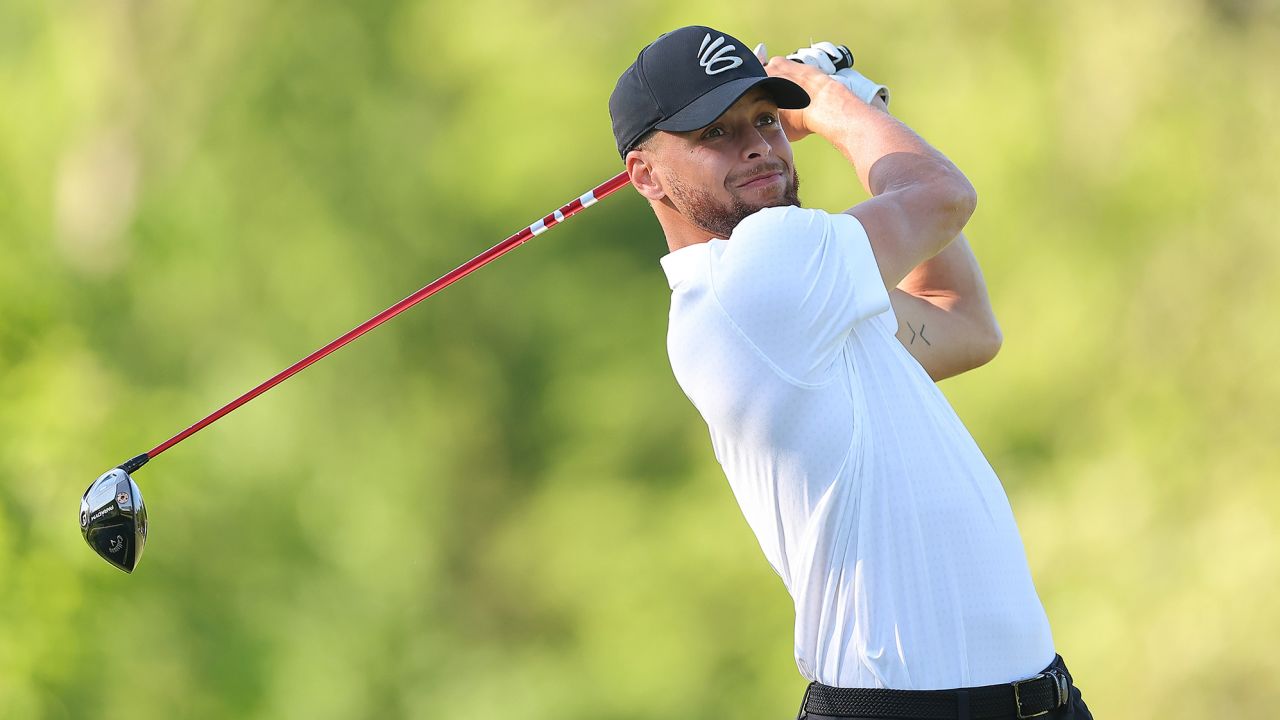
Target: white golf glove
[824, 55]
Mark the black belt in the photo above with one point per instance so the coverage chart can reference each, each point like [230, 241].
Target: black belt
[1028, 698]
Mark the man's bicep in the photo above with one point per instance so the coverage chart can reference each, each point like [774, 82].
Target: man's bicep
[898, 224]
[944, 341]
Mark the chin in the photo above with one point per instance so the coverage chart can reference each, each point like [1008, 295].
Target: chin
[782, 199]
[789, 194]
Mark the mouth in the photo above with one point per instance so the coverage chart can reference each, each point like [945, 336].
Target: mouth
[762, 180]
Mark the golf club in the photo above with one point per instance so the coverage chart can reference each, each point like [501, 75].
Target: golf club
[113, 518]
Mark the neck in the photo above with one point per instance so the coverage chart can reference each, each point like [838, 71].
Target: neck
[679, 231]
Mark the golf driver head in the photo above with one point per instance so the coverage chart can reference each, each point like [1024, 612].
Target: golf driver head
[113, 519]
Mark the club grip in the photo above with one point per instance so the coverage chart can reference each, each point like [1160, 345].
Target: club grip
[846, 58]
[843, 62]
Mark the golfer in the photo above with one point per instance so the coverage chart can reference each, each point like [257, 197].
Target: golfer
[810, 343]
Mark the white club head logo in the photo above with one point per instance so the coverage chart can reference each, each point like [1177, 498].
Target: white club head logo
[715, 60]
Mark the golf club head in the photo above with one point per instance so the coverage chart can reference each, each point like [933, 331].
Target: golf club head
[113, 519]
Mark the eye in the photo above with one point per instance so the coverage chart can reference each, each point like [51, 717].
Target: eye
[767, 119]
[712, 132]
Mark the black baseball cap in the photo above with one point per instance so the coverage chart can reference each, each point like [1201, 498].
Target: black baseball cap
[686, 79]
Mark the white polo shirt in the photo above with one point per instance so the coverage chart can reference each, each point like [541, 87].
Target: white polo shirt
[868, 495]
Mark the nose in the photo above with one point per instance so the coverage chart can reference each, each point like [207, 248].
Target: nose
[755, 146]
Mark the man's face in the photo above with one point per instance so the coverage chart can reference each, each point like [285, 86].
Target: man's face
[718, 175]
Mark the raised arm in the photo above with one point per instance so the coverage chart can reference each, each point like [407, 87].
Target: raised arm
[920, 199]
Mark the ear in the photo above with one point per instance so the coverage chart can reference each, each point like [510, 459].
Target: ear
[641, 170]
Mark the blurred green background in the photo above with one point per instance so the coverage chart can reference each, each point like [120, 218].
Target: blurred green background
[501, 505]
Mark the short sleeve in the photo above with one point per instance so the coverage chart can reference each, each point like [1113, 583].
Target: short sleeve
[796, 283]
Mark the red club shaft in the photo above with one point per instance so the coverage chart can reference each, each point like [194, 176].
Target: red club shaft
[566, 211]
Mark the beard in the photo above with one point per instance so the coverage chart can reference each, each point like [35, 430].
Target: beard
[701, 208]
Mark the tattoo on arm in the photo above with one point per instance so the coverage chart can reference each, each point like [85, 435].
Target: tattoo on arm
[920, 334]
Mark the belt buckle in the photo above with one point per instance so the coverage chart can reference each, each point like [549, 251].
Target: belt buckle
[1059, 685]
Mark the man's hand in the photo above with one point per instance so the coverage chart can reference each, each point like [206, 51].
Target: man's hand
[817, 78]
[813, 80]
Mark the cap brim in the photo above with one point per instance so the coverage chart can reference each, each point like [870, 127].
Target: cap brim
[704, 110]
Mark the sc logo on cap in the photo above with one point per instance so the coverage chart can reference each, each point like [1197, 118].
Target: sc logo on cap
[708, 56]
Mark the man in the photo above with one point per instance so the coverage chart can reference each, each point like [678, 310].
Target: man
[810, 343]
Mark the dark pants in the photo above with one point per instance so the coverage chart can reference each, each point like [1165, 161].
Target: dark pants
[1075, 708]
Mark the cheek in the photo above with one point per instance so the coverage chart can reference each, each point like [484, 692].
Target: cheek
[782, 148]
[715, 174]
[704, 172]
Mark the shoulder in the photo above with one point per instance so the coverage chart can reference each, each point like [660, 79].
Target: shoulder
[787, 243]
[775, 222]
[795, 282]
[792, 230]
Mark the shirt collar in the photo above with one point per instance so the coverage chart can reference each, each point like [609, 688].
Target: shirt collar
[685, 262]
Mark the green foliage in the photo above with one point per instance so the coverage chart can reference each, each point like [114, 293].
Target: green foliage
[501, 505]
